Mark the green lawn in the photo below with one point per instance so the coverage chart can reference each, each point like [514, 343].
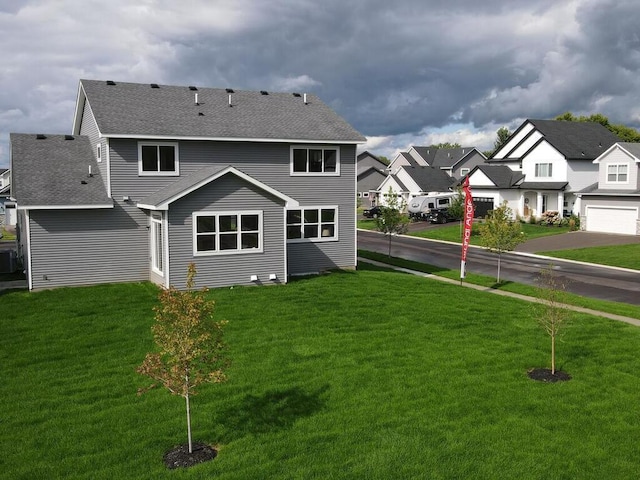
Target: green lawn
[626, 256]
[453, 232]
[363, 374]
[6, 235]
[615, 308]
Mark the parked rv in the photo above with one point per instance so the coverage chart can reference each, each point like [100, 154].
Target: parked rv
[422, 206]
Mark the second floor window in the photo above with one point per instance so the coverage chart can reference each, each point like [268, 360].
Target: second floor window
[315, 161]
[617, 173]
[158, 159]
[544, 170]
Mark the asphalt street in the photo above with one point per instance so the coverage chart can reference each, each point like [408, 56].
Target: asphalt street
[586, 280]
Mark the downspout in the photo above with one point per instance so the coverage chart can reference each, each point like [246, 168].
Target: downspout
[27, 219]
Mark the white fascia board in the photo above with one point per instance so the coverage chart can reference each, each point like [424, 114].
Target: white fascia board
[64, 207]
[77, 113]
[146, 206]
[230, 139]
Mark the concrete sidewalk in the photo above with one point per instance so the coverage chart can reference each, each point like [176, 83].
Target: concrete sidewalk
[611, 316]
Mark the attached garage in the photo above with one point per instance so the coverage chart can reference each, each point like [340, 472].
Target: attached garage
[611, 219]
[482, 206]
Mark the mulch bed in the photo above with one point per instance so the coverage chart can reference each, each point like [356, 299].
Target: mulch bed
[545, 375]
[180, 457]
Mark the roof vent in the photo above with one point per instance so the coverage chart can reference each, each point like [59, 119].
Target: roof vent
[195, 99]
[192, 88]
[229, 90]
[40, 136]
[230, 104]
[69, 137]
[110, 82]
[264, 92]
[200, 114]
[155, 85]
[296, 94]
[305, 99]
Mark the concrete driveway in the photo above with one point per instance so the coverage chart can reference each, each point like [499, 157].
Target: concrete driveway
[571, 240]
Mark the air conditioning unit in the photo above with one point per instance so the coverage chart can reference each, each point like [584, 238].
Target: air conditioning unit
[8, 261]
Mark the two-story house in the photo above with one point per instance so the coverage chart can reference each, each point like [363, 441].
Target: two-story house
[556, 160]
[251, 186]
[612, 204]
[423, 170]
[371, 172]
[7, 206]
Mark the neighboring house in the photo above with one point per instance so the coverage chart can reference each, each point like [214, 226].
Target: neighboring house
[7, 206]
[409, 179]
[456, 162]
[556, 159]
[612, 204]
[252, 187]
[371, 172]
[492, 185]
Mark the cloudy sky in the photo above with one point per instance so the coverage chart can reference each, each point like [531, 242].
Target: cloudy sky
[407, 72]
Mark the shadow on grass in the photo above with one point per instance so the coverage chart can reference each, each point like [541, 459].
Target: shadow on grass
[273, 410]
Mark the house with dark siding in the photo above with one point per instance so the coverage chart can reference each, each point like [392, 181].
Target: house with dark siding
[253, 187]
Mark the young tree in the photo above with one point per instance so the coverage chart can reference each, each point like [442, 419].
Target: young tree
[391, 220]
[550, 314]
[456, 208]
[500, 233]
[191, 348]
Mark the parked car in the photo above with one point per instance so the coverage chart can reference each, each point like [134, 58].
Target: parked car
[373, 212]
[440, 216]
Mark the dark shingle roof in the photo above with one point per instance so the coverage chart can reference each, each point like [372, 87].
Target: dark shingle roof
[430, 179]
[576, 140]
[443, 157]
[501, 175]
[133, 109]
[54, 171]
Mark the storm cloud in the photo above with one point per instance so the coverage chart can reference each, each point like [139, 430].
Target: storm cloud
[406, 72]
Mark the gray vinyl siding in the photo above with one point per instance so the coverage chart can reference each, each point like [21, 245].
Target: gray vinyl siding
[470, 163]
[227, 194]
[581, 174]
[268, 163]
[83, 247]
[89, 128]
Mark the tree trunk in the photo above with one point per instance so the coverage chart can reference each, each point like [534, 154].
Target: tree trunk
[553, 354]
[498, 281]
[188, 417]
[389, 254]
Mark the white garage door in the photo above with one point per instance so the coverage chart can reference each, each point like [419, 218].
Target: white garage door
[612, 220]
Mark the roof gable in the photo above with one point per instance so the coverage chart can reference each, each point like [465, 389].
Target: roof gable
[161, 199]
[429, 179]
[133, 110]
[631, 149]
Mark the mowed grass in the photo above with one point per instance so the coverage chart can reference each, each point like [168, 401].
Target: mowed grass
[362, 374]
[626, 256]
[453, 232]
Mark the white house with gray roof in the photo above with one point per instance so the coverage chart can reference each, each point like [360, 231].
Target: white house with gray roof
[612, 204]
[555, 159]
[252, 187]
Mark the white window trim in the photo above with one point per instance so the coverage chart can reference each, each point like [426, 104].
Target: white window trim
[536, 170]
[617, 165]
[194, 221]
[174, 173]
[464, 171]
[155, 254]
[314, 147]
[320, 239]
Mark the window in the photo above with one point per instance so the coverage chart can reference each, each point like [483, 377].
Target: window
[544, 170]
[464, 171]
[312, 224]
[227, 233]
[157, 242]
[315, 161]
[99, 152]
[158, 159]
[443, 202]
[617, 173]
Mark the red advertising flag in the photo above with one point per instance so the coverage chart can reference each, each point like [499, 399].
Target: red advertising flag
[468, 223]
